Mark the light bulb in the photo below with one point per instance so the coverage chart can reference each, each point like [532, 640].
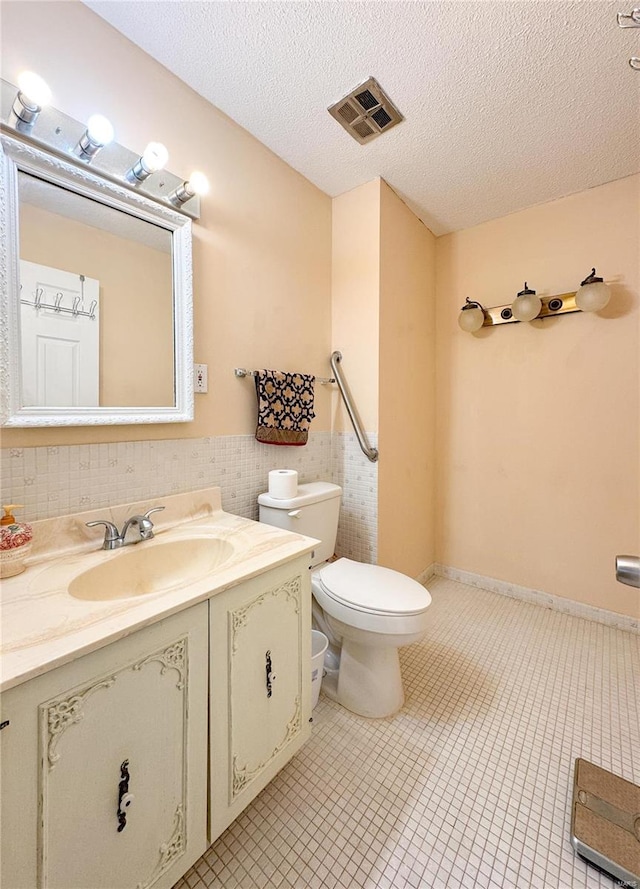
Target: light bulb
[99, 130]
[471, 317]
[593, 294]
[33, 93]
[154, 157]
[526, 306]
[99, 133]
[197, 184]
[34, 89]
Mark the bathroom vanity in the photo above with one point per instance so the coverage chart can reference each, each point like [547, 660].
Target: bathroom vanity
[137, 726]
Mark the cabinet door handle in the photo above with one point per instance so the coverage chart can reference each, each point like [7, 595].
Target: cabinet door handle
[271, 676]
[124, 797]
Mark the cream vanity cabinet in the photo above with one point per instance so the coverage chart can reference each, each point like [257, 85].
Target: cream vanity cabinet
[104, 764]
[259, 685]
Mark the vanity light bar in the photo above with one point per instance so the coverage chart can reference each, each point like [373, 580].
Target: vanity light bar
[592, 296]
[561, 304]
[58, 133]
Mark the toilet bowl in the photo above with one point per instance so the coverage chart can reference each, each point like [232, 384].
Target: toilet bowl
[371, 612]
[367, 611]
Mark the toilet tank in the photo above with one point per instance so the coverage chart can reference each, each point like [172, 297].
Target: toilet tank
[313, 512]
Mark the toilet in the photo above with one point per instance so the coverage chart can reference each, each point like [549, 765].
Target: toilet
[367, 611]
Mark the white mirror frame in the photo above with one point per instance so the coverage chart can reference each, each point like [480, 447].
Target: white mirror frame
[16, 155]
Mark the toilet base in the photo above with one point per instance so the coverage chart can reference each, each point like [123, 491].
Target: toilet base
[369, 681]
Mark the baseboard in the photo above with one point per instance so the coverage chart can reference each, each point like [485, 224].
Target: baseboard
[427, 574]
[537, 597]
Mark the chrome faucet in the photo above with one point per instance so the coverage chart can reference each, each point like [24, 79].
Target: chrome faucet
[113, 539]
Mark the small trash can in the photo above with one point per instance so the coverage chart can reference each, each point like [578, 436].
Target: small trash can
[319, 643]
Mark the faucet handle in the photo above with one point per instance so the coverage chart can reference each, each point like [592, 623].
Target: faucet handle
[152, 510]
[110, 533]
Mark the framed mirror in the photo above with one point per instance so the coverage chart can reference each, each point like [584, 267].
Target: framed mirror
[96, 297]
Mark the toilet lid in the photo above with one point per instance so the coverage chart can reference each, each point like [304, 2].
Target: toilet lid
[373, 588]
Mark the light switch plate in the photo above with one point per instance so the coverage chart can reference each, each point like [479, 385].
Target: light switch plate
[200, 378]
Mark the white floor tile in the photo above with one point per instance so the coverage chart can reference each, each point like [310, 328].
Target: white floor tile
[470, 784]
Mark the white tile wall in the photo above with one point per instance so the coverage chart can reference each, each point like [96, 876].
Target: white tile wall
[58, 480]
[358, 477]
[52, 481]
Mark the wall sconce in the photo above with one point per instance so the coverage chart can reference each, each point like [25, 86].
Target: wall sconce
[153, 159]
[526, 306]
[99, 133]
[592, 295]
[197, 184]
[33, 94]
[471, 317]
[629, 19]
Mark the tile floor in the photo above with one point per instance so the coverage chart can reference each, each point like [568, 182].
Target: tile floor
[470, 784]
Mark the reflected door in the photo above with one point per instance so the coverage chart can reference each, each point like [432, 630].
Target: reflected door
[60, 344]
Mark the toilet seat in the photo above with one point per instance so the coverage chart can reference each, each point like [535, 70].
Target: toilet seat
[373, 589]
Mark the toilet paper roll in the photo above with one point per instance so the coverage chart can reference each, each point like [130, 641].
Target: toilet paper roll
[283, 484]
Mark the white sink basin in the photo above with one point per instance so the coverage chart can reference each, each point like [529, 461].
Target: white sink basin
[153, 568]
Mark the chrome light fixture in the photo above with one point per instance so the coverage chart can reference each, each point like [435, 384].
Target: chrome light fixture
[21, 106]
[197, 184]
[593, 294]
[153, 159]
[526, 306]
[33, 94]
[471, 317]
[629, 19]
[99, 133]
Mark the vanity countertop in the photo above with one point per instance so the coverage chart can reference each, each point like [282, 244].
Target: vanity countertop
[43, 626]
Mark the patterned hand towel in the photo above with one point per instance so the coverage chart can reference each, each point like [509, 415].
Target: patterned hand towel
[285, 407]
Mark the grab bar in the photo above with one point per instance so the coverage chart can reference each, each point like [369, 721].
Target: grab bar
[628, 570]
[369, 452]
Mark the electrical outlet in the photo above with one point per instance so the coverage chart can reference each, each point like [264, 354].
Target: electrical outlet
[200, 377]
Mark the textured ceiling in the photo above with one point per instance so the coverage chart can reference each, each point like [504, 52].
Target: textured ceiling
[507, 104]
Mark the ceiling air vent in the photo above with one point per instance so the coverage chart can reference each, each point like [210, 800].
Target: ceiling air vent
[366, 112]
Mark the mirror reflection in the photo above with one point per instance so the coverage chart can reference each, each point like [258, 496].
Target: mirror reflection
[96, 303]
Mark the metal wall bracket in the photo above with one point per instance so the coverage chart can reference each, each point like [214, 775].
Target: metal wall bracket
[560, 304]
[629, 19]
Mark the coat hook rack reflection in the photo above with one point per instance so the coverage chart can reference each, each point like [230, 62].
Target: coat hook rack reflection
[57, 306]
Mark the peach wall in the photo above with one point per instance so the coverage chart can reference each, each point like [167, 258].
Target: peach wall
[538, 457]
[406, 476]
[355, 296]
[135, 295]
[262, 248]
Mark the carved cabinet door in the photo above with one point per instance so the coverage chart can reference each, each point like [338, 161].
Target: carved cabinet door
[266, 683]
[121, 746]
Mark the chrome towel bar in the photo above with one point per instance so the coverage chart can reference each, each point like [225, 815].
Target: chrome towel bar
[369, 452]
[243, 372]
